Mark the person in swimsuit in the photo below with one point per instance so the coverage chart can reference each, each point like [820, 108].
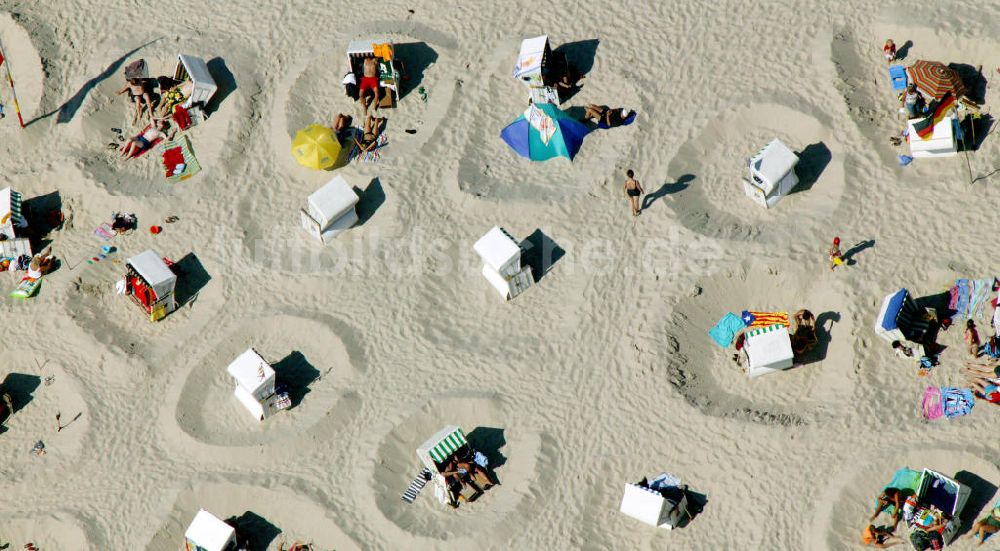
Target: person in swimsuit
[879, 537]
[911, 100]
[139, 94]
[633, 190]
[369, 138]
[889, 50]
[891, 497]
[143, 141]
[603, 114]
[987, 526]
[836, 257]
[341, 123]
[972, 338]
[369, 89]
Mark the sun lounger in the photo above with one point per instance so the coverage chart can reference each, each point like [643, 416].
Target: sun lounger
[418, 484]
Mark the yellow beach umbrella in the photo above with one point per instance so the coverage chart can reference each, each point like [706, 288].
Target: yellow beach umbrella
[316, 147]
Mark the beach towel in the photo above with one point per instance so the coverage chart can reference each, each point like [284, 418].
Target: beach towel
[179, 162]
[104, 232]
[370, 156]
[726, 329]
[956, 401]
[418, 484]
[931, 406]
[765, 319]
[27, 288]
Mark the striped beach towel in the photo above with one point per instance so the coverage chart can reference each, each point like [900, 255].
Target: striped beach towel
[104, 232]
[764, 319]
[370, 156]
[418, 484]
[176, 153]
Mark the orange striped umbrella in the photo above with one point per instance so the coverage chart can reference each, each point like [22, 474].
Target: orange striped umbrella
[935, 79]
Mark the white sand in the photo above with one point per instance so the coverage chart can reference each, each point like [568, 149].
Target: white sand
[600, 374]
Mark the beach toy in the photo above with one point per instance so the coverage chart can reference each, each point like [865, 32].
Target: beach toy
[107, 249]
[155, 229]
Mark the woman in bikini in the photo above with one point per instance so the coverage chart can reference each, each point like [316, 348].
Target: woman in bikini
[139, 94]
[369, 138]
[633, 190]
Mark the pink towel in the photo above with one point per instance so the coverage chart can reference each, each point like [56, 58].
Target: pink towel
[932, 406]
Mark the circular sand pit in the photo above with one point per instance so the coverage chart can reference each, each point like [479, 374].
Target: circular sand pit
[212, 141]
[848, 501]
[517, 454]
[308, 356]
[709, 378]
[40, 388]
[713, 165]
[46, 531]
[268, 516]
[314, 93]
[488, 167]
[25, 65]
[118, 321]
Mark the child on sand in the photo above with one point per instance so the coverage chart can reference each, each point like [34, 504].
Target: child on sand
[972, 338]
[889, 50]
[836, 257]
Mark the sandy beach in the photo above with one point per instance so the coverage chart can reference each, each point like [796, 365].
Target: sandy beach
[600, 373]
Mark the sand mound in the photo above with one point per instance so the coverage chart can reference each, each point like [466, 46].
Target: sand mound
[848, 501]
[713, 163]
[267, 515]
[55, 532]
[308, 356]
[26, 68]
[516, 454]
[706, 375]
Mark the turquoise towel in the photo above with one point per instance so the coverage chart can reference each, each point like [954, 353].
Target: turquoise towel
[726, 329]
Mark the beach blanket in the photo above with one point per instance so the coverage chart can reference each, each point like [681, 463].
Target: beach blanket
[968, 298]
[179, 162]
[726, 329]
[764, 319]
[956, 401]
[104, 232]
[418, 484]
[370, 156]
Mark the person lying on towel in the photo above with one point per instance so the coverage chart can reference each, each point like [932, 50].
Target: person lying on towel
[141, 142]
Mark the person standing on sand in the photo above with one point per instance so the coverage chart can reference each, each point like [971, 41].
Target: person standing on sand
[972, 338]
[633, 190]
[836, 257]
[889, 50]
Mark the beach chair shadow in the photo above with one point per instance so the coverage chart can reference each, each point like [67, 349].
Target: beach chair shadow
[812, 162]
[191, 278]
[668, 188]
[696, 503]
[981, 497]
[975, 83]
[976, 129]
[489, 441]
[372, 198]
[295, 373]
[21, 388]
[44, 215]
[416, 58]
[225, 80]
[580, 54]
[254, 531]
[540, 253]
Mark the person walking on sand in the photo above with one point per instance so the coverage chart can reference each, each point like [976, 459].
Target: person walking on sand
[889, 50]
[972, 338]
[633, 190]
[836, 257]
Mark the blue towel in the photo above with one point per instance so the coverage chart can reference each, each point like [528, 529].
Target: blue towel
[962, 298]
[956, 401]
[726, 329]
[905, 160]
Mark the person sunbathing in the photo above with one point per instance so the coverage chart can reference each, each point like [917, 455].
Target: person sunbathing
[891, 497]
[879, 537]
[369, 137]
[804, 336]
[341, 123]
[603, 114]
[140, 94]
[368, 89]
[987, 526]
[144, 140]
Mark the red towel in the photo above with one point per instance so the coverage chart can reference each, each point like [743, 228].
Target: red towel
[182, 118]
[171, 158]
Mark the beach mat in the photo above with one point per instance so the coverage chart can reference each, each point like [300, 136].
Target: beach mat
[175, 153]
[418, 484]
